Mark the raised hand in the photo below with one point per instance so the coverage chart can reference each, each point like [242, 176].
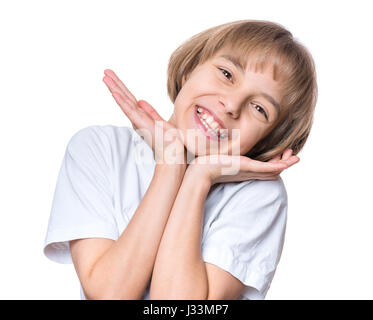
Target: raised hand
[227, 168]
[143, 117]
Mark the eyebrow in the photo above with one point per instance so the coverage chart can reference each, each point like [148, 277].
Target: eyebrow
[240, 67]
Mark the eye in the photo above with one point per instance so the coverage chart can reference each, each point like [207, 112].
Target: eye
[261, 110]
[226, 74]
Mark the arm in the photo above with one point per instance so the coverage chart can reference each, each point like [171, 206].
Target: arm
[121, 269]
[179, 271]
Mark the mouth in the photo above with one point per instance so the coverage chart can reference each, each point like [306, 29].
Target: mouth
[210, 124]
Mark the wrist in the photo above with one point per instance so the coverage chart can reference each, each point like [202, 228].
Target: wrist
[172, 170]
[198, 174]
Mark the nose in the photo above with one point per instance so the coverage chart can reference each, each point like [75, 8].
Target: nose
[230, 107]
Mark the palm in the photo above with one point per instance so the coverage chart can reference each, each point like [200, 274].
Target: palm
[144, 118]
[226, 168]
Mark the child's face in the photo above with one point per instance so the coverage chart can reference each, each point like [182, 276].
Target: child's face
[234, 97]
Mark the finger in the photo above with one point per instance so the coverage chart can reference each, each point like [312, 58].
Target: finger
[124, 104]
[292, 160]
[134, 114]
[118, 93]
[287, 154]
[262, 167]
[113, 87]
[149, 109]
[275, 159]
[120, 84]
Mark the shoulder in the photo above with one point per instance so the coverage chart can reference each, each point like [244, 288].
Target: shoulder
[98, 146]
[99, 134]
[271, 189]
[256, 191]
[247, 235]
[105, 139]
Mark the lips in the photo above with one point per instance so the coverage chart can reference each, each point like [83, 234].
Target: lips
[211, 113]
[202, 126]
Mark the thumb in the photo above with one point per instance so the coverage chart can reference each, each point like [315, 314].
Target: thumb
[149, 110]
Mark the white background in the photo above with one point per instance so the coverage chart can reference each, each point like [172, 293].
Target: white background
[52, 58]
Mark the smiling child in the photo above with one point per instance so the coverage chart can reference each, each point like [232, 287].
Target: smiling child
[171, 227]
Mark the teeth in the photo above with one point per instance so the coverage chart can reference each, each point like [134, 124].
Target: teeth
[214, 125]
[209, 119]
[210, 124]
[222, 133]
[208, 128]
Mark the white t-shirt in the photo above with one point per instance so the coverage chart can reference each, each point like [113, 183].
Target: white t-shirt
[104, 175]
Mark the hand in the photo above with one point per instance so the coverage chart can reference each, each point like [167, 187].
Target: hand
[226, 168]
[143, 117]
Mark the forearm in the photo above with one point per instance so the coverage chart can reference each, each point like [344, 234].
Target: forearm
[124, 271]
[179, 271]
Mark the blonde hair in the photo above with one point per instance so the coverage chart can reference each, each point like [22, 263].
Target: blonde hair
[260, 42]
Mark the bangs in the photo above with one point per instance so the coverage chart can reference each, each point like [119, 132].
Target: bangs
[261, 59]
[254, 53]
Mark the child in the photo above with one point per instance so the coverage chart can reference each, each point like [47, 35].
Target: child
[169, 228]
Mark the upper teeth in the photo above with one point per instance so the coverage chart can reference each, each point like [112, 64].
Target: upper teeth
[210, 124]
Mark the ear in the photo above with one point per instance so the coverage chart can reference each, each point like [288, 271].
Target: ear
[183, 80]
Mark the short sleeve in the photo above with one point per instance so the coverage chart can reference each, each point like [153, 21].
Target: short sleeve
[83, 204]
[247, 237]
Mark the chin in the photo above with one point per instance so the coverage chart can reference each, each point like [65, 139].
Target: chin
[196, 151]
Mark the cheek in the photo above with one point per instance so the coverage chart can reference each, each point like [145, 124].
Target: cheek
[197, 85]
[180, 106]
[249, 136]
[203, 83]
[184, 98]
